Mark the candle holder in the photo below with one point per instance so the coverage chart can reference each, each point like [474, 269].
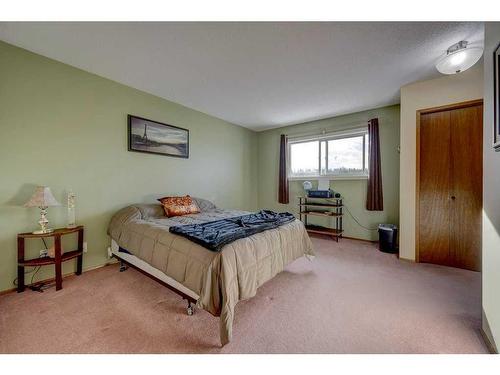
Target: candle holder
[71, 200]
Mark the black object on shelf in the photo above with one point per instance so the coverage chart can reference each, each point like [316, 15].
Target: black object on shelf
[320, 193]
[387, 236]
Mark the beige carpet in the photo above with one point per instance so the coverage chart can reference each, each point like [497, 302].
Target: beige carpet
[350, 299]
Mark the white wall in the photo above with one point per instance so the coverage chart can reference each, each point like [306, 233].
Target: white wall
[420, 95]
[491, 201]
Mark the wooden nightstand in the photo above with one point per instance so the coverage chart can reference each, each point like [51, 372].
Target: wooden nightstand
[57, 260]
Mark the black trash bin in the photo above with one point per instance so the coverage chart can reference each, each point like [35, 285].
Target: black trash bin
[387, 236]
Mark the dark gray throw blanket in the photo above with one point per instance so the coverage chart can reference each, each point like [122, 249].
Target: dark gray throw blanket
[215, 234]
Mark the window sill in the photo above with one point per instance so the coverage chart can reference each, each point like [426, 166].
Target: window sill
[330, 178]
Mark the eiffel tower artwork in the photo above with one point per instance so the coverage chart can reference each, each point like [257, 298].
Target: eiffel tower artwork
[157, 138]
[145, 136]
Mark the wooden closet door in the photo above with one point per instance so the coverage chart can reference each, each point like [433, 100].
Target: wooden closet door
[434, 186]
[466, 187]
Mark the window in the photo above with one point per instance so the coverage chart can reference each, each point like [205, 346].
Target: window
[337, 155]
[304, 158]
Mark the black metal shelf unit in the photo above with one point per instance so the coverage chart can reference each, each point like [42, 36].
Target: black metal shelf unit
[323, 207]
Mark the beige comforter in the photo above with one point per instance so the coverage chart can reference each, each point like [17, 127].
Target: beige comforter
[221, 279]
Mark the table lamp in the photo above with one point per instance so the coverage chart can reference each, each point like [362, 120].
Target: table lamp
[42, 198]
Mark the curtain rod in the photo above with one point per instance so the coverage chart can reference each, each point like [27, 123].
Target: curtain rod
[325, 132]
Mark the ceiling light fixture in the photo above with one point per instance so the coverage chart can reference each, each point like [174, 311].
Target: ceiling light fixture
[459, 58]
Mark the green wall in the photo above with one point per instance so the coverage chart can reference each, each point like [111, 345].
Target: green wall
[354, 191]
[66, 128]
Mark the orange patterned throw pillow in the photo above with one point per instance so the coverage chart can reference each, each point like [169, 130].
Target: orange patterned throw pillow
[178, 206]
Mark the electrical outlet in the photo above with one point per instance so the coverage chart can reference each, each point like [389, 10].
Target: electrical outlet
[85, 247]
[44, 253]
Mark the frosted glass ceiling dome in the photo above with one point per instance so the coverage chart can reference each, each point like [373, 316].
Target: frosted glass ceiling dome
[459, 57]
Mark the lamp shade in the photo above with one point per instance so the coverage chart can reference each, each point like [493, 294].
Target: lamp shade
[459, 58]
[42, 197]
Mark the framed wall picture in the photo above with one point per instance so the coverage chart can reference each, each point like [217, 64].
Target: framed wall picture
[496, 96]
[157, 138]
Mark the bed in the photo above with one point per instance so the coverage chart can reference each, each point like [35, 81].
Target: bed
[214, 281]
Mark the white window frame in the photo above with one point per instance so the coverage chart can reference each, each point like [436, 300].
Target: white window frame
[327, 137]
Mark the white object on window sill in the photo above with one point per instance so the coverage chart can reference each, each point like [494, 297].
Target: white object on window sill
[323, 184]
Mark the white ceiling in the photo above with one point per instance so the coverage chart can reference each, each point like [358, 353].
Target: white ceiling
[258, 75]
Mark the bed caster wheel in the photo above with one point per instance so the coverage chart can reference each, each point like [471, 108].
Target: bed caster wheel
[123, 267]
[190, 309]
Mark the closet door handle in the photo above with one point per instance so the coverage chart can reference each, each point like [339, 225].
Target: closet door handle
[453, 197]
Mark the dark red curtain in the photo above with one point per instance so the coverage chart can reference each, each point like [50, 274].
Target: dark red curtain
[283, 196]
[374, 199]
